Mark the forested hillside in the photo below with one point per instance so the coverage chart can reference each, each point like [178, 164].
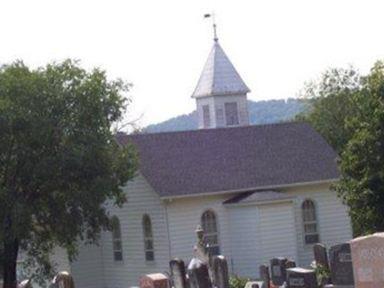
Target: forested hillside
[260, 112]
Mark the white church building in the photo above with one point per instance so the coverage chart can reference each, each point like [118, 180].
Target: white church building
[258, 191]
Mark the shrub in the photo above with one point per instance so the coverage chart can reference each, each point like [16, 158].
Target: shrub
[237, 281]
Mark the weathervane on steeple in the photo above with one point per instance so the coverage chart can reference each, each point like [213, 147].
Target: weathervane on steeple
[212, 15]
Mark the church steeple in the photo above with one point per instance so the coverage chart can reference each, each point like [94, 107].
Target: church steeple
[221, 94]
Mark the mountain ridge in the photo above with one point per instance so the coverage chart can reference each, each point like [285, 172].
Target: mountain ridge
[260, 112]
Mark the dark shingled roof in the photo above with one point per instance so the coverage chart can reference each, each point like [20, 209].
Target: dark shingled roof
[232, 159]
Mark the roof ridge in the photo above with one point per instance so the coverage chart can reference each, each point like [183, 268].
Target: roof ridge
[210, 130]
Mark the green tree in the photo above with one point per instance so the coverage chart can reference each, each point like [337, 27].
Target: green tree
[330, 102]
[362, 161]
[59, 161]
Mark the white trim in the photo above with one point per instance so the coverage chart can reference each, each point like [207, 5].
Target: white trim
[299, 184]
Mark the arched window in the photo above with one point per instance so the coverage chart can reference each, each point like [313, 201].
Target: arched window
[311, 234]
[148, 239]
[116, 240]
[211, 235]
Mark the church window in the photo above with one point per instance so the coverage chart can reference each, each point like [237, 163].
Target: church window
[220, 116]
[211, 235]
[206, 116]
[116, 240]
[148, 239]
[311, 235]
[231, 114]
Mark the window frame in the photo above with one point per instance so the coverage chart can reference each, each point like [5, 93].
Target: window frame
[148, 237]
[235, 121]
[307, 223]
[206, 116]
[215, 234]
[117, 240]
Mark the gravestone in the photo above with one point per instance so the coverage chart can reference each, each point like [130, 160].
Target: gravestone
[341, 264]
[264, 276]
[368, 260]
[252, 284]
[220, 276]
[321, 259]
[320, 255]
[278, 270]
[178, 273]
[301, 278]
[290, 264]
[63, 279]
[198, 274]
[156, 280]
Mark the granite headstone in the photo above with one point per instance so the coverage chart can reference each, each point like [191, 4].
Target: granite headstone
[178, 273]
[368, 260]
[278, 270]
[341, 264]
[301, 278]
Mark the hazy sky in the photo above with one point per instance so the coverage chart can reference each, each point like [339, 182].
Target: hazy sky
[161, 45]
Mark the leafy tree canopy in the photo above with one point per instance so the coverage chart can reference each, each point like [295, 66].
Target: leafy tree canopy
[362, 160]
[348, 110]
[59, 161]
[330, 103]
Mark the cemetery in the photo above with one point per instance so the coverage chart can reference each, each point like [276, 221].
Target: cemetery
[358, 263]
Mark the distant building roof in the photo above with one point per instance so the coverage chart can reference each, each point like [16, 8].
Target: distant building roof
[219, 76]
[233, 159]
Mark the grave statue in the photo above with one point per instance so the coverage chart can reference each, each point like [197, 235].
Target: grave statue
[200, 249]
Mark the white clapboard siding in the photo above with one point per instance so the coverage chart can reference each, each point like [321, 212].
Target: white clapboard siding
[185, 214]
[332, 217]
[259, 233]
[245, 243]
[141, 200]
[248, 235]
[87, 269]
[60, 259]
[277, 232]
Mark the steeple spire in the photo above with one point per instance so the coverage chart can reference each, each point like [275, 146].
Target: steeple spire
[220, 93]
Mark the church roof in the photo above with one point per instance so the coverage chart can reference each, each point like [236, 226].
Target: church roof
[219, 76]
[233, 159]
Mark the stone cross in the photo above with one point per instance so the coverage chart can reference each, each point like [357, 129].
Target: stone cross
[301, 278]
[178, 273]
[368, 260]
[278, 271]
[341, 264]
[220, 277]
[264, 276]
[156, 280]
[198, 274]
